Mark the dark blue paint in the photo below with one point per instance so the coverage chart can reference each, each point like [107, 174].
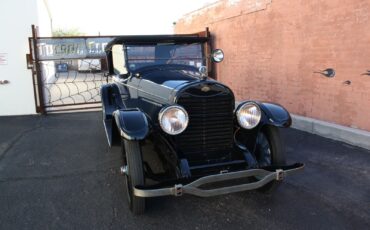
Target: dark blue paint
[133, 124]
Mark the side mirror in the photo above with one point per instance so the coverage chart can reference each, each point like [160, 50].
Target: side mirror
[217, 55]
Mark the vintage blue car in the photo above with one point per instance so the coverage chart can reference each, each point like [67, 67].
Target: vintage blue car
[179, 129]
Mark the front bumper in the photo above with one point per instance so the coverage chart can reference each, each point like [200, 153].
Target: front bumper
[264, 176]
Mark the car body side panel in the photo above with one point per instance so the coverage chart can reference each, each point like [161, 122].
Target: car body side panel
[111, 101]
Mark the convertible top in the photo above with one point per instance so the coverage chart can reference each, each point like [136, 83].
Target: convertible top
[152, 39]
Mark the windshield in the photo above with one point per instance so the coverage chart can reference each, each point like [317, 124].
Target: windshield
[139, 56]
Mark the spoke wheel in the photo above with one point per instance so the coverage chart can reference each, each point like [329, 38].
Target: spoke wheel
[270, 151]
[131, 155]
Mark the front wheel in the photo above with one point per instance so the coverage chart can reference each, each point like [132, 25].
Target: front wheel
[134, 174]
[270, 151]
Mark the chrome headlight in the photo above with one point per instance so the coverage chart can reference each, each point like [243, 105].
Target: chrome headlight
[248, 115]
[173, 119]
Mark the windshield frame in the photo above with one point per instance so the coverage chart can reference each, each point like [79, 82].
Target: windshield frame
[176, 45]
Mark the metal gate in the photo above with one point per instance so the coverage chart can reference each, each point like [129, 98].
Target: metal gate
[67, 71]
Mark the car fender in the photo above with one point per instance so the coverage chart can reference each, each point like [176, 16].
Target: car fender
[132, 124]
[111, 100]
[275, 115]
[272, 114]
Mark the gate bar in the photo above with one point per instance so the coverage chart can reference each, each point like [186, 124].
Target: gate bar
[33, 72]
[61, 105]
[41, 108]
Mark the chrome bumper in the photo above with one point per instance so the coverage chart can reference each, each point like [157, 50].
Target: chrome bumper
[265, 176]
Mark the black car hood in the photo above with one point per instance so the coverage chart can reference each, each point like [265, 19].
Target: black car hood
[162, 84]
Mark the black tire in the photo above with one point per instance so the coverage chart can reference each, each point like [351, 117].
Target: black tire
[131, 154]
[270, 138]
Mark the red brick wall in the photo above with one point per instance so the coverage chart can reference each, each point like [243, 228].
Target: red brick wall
[272, 48]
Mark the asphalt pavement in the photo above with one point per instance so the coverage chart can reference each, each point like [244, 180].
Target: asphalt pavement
[57, 172]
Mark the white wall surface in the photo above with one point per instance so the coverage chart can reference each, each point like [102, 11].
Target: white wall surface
[16, 17]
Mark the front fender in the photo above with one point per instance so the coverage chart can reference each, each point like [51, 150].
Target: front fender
[111, 100]
[272, 114]
[131, 123]
[275, 114]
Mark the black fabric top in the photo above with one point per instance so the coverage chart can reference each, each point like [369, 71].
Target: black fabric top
[153, 39]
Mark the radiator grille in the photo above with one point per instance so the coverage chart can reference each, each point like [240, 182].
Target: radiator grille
[210, 131]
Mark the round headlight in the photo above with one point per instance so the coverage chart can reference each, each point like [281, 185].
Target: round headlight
[249, 115]
[217, 56]
[173, 119]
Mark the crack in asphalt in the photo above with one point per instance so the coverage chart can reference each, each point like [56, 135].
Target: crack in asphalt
[14, 141]
[114, 217]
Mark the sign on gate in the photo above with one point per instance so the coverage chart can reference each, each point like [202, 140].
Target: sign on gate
[68, 71]
[71, 48]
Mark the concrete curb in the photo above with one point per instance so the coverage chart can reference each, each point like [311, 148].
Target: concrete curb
[345, 134]
[336, 132]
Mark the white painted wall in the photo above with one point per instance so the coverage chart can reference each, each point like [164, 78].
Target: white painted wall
[16, 17]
